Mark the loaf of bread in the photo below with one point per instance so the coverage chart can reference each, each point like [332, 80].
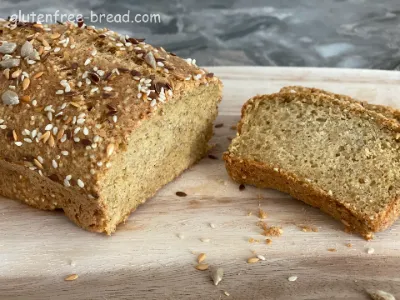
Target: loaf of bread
[326, 150]
[94, 123]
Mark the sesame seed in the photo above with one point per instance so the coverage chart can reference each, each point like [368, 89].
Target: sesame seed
[3, 126]
[94, 52]
[85, 131]
[68, 177]
[80, 183]
[370, 250]
[115, 119]
[57, 49]
[110, 149]
[28, 140]
[39, 158]
[77, 140]
[1, 121]
[77, 129]
[99, 163]
[65, 153]
[54, 164]
[292, 278]
[59, 92]
[87, 61]
[34, 102]
[108, 165]
[48, 127]
[205, 240]
[19, 144]
[107, 88]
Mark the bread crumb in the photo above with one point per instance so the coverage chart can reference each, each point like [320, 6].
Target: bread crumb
[292, 278]
[251, 240]
[349, 245]
[268, 241]
[308, 228]
[273, 231]
[249, 213]
[370, 250]
[262, 214]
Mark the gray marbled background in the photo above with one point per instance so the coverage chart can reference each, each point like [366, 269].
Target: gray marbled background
[320, 33]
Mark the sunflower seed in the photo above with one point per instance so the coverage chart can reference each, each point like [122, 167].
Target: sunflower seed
[26, 83]
[150, 60]
[10, 98]
[201, 257]
[253, 260]
[202, 267]
[217, 274]
[10, 63]
[71, 277]
[26, 49]
[381, 295]
[7, 48]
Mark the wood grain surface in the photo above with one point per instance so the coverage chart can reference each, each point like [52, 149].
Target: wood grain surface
[153, 255]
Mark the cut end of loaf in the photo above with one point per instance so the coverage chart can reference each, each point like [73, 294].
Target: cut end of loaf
[337, 156]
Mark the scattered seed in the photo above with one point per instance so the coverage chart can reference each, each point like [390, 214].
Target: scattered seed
[370, 250]
[242, 187]
[10, 98]
[226, 293]
[219, 125]
[381, 295]
[16, 73]
[349, 245]
[26, 98]
[71, 277]
[205, 240]
[202, 267]
[10, 63]
[150, 60]
[253, 260]
[212, 156]
[55, 36]
[110, 149]
[7, 48]
[212, 225]
[261, 257]
[217, 274]
[38, 75]
[292, 278]
[181, 194]
[332, 250]
[201, 257]
[181, 236]
[262, 214]
[26, 49]
[25, 83]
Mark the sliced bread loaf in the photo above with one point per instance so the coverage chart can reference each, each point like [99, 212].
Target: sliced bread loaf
[332, 154]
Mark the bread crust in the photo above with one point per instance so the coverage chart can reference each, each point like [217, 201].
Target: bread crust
[263, 175]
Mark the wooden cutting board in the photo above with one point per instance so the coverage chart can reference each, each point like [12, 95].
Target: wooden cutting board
[153, 255]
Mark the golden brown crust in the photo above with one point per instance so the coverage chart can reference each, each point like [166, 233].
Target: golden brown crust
[260, 174]
[387, 111]
[71, 96]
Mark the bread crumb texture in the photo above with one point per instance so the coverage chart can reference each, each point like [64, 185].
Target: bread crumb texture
[89, 118]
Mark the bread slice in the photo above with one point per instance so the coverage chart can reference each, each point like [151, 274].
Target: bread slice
[332, 154]
[97, 122]
[388, 112]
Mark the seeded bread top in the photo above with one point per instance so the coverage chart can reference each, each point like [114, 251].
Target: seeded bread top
[71, 95]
